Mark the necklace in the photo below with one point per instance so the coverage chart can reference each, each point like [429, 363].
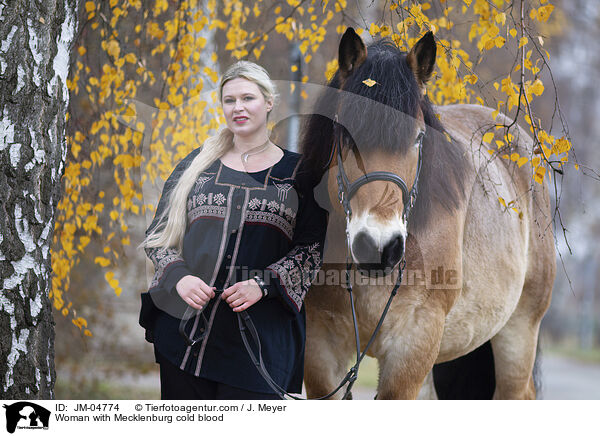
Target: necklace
[254, 151]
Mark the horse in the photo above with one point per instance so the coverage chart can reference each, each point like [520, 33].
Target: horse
[478, 275]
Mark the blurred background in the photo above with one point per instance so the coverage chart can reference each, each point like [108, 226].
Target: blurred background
[112, 360]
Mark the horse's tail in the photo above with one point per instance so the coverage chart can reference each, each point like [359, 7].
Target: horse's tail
[470, 377]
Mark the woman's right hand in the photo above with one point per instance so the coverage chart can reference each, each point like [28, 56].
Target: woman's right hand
[194, 291]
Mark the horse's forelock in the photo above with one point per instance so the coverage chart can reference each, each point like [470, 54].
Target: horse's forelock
[381, 115]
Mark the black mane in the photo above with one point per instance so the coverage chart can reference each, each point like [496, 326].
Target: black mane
[380, 116]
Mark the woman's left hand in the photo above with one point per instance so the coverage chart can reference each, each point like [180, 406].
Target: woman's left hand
[242, 295]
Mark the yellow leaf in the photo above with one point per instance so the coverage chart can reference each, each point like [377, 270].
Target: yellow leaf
[513, 32]
[471, 78]
[537, 87]
[113, 49]
[374, 29]
[502, 202]
[102, 261]
[369, 82]
[90, 6]
[522, 161]
[544, 12]
[523, 41]
[487, 138]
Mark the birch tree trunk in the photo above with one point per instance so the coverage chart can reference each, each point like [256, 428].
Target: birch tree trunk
[34, 62]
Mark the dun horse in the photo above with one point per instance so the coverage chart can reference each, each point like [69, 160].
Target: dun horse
[478, 276]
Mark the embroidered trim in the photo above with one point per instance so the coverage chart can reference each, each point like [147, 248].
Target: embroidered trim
[211, 211]
[273, 207]
[200, 183]
[162, 258]
[298, 270]
[257, 216]
[282, 190]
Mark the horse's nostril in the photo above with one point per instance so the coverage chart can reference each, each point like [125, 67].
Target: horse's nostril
[393, 251]
[365, 249]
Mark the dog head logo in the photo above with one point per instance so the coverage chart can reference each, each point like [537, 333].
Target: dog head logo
[26, 415]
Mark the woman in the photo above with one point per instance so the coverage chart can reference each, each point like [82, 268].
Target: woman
[234, 216]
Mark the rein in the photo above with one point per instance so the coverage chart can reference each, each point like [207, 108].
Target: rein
[346, 191]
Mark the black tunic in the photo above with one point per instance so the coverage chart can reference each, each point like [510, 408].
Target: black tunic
[239, 225]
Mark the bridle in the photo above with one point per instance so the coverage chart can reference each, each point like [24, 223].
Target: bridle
[346, 190]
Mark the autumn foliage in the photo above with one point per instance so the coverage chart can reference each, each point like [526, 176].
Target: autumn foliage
[163, 53]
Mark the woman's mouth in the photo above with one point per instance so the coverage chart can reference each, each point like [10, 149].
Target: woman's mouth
[240, 120]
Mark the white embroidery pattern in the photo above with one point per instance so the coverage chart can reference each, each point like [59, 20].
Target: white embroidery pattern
[298, 270]
[162, 258]
[200, 182]
[282, 190]
[219, 199]
[259, 216]
[254, 204]
[273, 206]
[207, 210]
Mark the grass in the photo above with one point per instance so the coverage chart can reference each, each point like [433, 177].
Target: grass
[573, 351]
[368, 373]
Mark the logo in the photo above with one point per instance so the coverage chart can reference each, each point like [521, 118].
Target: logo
[26, 415]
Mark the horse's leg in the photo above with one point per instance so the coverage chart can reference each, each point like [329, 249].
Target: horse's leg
[407, 356]
[514, 356]
[329, 341]
[326, 359]
[515, 344]
[427, 391]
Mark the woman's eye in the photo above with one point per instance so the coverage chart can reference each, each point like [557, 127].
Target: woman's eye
[249, 97]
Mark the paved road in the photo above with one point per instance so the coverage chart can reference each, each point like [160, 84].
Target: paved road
[569, 379]
[562, 379]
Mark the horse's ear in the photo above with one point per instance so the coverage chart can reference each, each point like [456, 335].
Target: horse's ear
[421, 58]
[352, 52]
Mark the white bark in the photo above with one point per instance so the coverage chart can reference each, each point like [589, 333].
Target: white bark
[34, 63]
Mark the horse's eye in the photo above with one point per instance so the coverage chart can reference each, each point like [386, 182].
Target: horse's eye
[419, 139]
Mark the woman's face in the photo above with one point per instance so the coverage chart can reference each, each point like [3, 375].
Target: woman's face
[245, 107]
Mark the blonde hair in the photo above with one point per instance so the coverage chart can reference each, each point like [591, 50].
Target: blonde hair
[170, 234]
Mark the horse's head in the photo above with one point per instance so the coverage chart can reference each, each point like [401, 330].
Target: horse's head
[380, 128]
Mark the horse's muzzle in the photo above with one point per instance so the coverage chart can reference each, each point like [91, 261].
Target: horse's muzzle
[373, 262]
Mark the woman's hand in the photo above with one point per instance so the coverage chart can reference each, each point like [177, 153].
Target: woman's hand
[194, 291]
[242, 295]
